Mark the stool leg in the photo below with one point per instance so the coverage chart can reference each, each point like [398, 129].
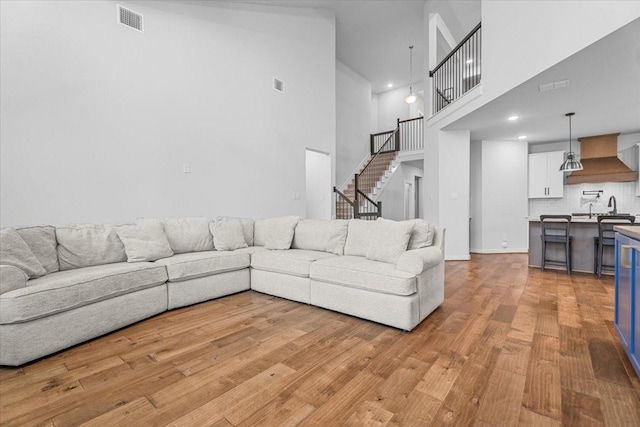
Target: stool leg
[544, 252]
[600, 255]
[568, 249]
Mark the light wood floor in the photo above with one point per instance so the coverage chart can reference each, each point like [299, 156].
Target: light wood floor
[510, 346]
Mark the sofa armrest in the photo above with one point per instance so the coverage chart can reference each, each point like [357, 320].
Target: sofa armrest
[11, 278]
[418, 260]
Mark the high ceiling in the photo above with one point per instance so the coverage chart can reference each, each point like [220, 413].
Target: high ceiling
[373, 36]
[603, 91]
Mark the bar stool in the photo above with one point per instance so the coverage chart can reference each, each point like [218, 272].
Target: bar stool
[556, 229]
[607, 237]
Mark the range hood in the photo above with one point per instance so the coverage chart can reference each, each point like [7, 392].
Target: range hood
[599, 157]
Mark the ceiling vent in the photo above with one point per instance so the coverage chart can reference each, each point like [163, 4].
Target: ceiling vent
[130, 18]
[553, 85]
[278, 85]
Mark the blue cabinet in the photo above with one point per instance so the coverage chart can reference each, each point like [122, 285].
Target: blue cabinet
[627, 297]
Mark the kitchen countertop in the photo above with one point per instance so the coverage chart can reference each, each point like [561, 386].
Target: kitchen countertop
[628, 230]
[578, 219]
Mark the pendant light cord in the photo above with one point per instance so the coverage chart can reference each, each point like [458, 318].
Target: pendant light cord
[410, 69]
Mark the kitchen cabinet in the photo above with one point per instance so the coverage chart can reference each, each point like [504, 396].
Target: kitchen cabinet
[627, 297]
[545, 178]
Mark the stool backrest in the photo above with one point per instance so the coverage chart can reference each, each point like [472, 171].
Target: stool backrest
[606, 224]
[555, 225]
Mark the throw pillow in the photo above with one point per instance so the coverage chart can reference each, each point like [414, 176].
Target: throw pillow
[144, 241]
[14, 251]
[359, 235]
[87, 245]
[275, 233]
[188, 234]
[247, 227]
[227, 235]
[321, 235]
[421, 235]
[390, 241]
[43, 244]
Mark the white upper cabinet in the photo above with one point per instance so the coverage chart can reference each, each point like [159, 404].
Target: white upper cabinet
[545, 178]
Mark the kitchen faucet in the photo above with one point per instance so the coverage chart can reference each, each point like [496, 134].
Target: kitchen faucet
[615, 207]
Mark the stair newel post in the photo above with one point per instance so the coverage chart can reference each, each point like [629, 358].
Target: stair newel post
[372, 139]
[397, 146]
[379, 209]
[356, 206]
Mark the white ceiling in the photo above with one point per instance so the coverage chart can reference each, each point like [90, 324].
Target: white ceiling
[604, 92]
[373, 36]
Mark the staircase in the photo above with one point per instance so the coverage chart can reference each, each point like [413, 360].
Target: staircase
[358, 199]
[369, 182]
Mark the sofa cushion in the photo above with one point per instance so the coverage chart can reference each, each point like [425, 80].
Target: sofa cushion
[88, 245]
[275, 233]
[389, 241]
[15, 251]
[200, 264]
[43, 244]
[422, 234]
[188, 234]
[66, 290]
[144, 241]
[359, 272]
[227, 235]
[358, 237]
[321, 235]
[12, 278]
[247, 227]
[294, 261]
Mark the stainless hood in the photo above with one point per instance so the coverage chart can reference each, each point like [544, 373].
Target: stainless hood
[599, 158]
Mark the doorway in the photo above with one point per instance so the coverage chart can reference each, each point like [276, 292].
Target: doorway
[318, 185]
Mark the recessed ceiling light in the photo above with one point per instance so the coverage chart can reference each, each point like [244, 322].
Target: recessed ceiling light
[389, 85]
[522, 137]
[512, 118]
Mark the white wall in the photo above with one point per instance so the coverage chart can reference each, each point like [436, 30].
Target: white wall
[523, 38]
[391, 107]
[452, 203]
[475, 196]
[503, 202]
[97, 119]
[393, 195]
[354, 106]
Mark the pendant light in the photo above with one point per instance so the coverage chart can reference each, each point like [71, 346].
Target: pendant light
[571, 163]
[411, 98]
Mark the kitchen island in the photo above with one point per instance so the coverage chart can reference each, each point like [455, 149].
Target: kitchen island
[583, 230]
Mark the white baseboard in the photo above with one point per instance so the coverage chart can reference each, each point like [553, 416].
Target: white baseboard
[458, 258]
[499, 251]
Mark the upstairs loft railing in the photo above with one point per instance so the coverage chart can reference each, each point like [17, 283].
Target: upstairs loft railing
[410, 136]
[459, 71]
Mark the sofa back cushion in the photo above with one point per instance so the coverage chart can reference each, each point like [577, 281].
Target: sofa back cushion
[358, 237]
[15, 252]
[321, 235]
[188, 234]
[247, 227]
[275, 233]
[43, 244]
[144, 241]
[87, 245]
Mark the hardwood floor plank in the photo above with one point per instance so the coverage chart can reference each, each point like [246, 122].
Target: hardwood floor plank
[542, 392]
[503, 398]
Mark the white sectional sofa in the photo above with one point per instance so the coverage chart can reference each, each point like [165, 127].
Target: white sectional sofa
[62, 286]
